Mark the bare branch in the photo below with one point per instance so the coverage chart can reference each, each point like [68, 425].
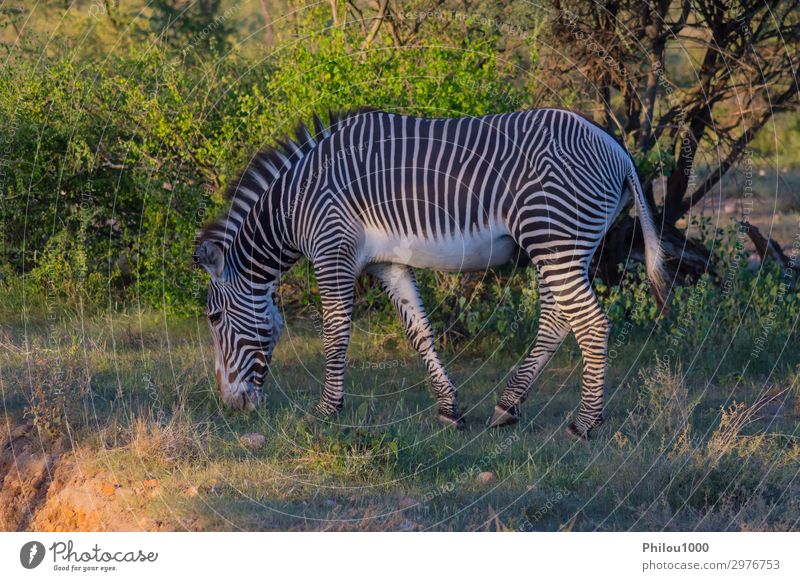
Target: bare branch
[376, 25]
[269, 33]
[335, 12]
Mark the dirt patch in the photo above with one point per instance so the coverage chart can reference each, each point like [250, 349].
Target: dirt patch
[45, 488]
[27, 464]
[79, 501]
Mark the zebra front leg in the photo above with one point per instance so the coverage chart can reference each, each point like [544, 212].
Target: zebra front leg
[553, 328]
[400, 284]
[336, 282]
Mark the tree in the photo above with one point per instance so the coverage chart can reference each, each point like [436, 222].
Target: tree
[679, 80]
[193, 25]
[685, 84]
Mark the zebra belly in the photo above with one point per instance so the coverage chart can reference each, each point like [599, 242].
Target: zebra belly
[454, 253]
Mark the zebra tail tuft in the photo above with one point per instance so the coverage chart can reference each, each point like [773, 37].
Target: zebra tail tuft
[654, 257]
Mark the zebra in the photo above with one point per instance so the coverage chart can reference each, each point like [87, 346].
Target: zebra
[384, 193]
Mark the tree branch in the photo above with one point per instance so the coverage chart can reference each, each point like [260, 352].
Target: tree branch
[376, 25]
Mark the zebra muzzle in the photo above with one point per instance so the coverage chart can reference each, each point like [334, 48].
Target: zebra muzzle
[243, 397]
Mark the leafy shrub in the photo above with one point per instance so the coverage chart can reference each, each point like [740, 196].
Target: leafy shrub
[111, 167]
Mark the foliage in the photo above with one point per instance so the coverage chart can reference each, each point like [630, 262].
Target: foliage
[192, 26]
[109, 167]
[636, 61]
[115, 165]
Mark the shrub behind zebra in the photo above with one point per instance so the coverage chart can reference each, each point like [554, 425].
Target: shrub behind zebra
[385, 194]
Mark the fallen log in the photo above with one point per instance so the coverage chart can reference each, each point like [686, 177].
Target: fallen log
[686, 259]
[769, 248]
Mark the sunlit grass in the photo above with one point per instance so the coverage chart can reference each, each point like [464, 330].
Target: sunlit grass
[679, 451]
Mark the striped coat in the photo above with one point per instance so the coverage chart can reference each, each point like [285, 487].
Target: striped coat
[385, 194]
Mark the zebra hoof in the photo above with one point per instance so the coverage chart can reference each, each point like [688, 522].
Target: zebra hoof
[503, 417]
[576, 432]
[450, 420]
[323, 413]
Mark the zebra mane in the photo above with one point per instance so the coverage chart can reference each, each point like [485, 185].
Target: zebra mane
[264, 168]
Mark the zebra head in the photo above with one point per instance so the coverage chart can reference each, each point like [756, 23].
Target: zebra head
[245, 326]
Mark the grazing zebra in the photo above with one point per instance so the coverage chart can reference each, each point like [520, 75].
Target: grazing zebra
[385, 194]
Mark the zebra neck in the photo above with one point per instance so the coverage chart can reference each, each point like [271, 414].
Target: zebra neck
[260, 252]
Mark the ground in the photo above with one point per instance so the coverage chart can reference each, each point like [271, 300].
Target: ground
[113, 423]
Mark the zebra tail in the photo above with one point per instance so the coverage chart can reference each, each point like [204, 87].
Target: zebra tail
[654, 257]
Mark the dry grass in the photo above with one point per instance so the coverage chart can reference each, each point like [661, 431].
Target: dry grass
[681, 452]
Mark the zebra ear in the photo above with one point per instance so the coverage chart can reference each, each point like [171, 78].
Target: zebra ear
[210, 256]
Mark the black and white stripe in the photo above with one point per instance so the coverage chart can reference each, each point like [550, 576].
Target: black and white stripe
[387, 193]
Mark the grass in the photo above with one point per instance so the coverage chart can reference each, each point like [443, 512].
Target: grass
[693, 446]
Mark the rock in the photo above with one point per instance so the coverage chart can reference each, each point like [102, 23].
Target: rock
[485, 478]
[108, 489]
[253, 441]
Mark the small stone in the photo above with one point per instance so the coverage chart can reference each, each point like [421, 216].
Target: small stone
[485, 478]
[253, 441]
[108, 489]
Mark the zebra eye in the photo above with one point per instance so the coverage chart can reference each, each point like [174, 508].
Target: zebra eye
[215, 317]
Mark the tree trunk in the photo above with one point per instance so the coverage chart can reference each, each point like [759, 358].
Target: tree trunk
[769, 248]
[686, 259]
[269, 34]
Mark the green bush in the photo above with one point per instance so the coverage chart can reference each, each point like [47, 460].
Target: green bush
[109, 168]
[116, 164]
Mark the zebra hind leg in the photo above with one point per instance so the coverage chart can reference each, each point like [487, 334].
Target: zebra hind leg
[553, 328]
[576, 300]
[400, 284]
[592, 329]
